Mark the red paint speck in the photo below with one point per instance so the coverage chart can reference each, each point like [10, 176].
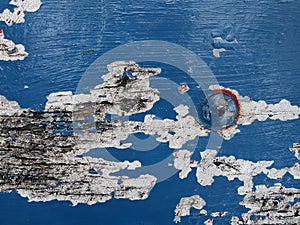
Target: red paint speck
[183, 88]
[281, 188]
[257, 219]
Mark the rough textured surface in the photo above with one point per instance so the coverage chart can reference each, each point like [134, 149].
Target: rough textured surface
[212, 165]
[65, 36]
[43, 165]
[41, 151]
[40, 155]
[244, 170]
[118, 94]
[123, 96]
[273, 205]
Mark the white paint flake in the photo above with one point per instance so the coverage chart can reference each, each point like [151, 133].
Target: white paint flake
[182, 88]
[80, 186]
[274, 208]
[273, 205]
[8, 108]
[185, 204]
[178, 132]
[217, 51]
[116, 97]
[119, 95]
[279, 173]
[232, 168]
[218, 214]
[251, 110]
[296, 150]
[125, 91]
[183, 162]
[9, 50]
[22, 6]
[229, 132]
[76, 179]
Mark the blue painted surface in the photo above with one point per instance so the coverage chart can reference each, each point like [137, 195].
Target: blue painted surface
[64, 37]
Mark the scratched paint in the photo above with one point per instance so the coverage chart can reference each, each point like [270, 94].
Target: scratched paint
[44, 156]
[273, 205]
[26, 133]
[269, 205]
[131, 97]
[125, 91]
[255, 65]
[211, 166]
